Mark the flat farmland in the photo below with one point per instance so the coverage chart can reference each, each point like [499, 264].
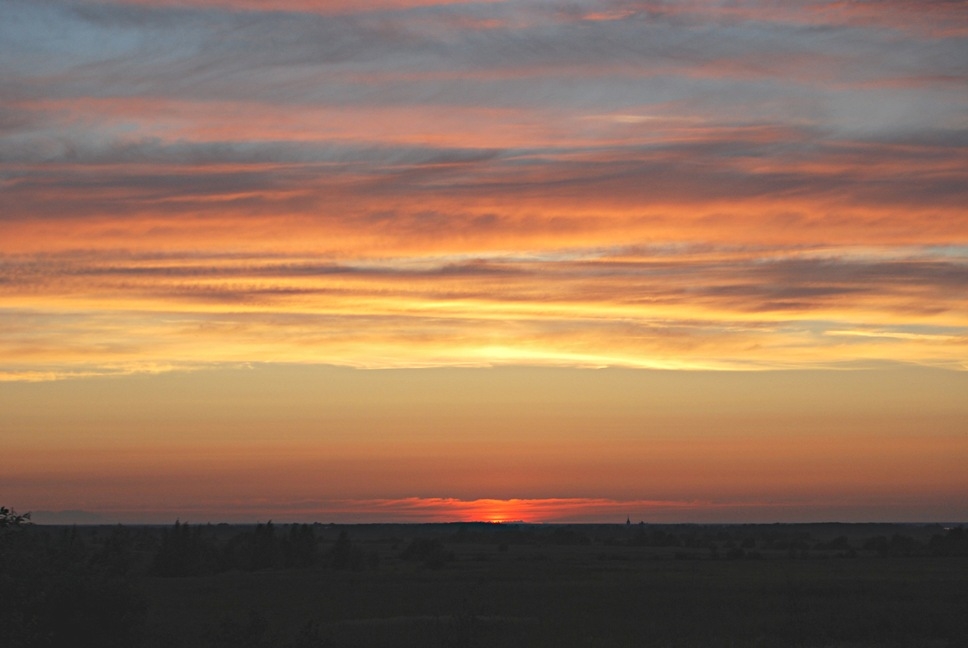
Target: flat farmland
[601, 585]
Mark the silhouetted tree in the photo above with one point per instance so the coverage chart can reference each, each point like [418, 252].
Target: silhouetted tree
[55, 591]
[10, 520]
[879, 544]
[264, 547]
[184, 552]
[300, 546]
[115, 553]
[954, 542]
[429, 551]
[345, 554]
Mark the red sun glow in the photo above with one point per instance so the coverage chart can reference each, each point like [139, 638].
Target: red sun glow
[497, 511]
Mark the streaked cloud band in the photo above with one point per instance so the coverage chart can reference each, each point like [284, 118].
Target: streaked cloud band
[684, 185]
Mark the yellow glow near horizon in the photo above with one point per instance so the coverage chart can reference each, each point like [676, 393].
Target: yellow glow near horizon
[259, 442]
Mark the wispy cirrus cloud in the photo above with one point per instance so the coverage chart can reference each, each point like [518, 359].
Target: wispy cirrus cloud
[692, 306]
[423, 183]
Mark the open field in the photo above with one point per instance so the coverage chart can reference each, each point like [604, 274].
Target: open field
[589, 585]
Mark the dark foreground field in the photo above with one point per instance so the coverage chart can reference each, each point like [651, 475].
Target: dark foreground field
[305, 586]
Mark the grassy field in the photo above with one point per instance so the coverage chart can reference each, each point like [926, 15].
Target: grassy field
[580, 586]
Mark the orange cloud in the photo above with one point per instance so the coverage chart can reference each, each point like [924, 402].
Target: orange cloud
[312, 6]
[392, 184]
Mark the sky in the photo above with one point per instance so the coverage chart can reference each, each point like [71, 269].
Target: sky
[436, 260]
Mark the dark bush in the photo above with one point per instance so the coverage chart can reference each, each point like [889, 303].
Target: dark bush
[346, 554]
[429, 551]
[954, 542]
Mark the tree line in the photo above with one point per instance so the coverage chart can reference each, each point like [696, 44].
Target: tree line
[70, 586]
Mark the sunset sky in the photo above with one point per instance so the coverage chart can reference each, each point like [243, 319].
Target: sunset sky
[435, 260]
